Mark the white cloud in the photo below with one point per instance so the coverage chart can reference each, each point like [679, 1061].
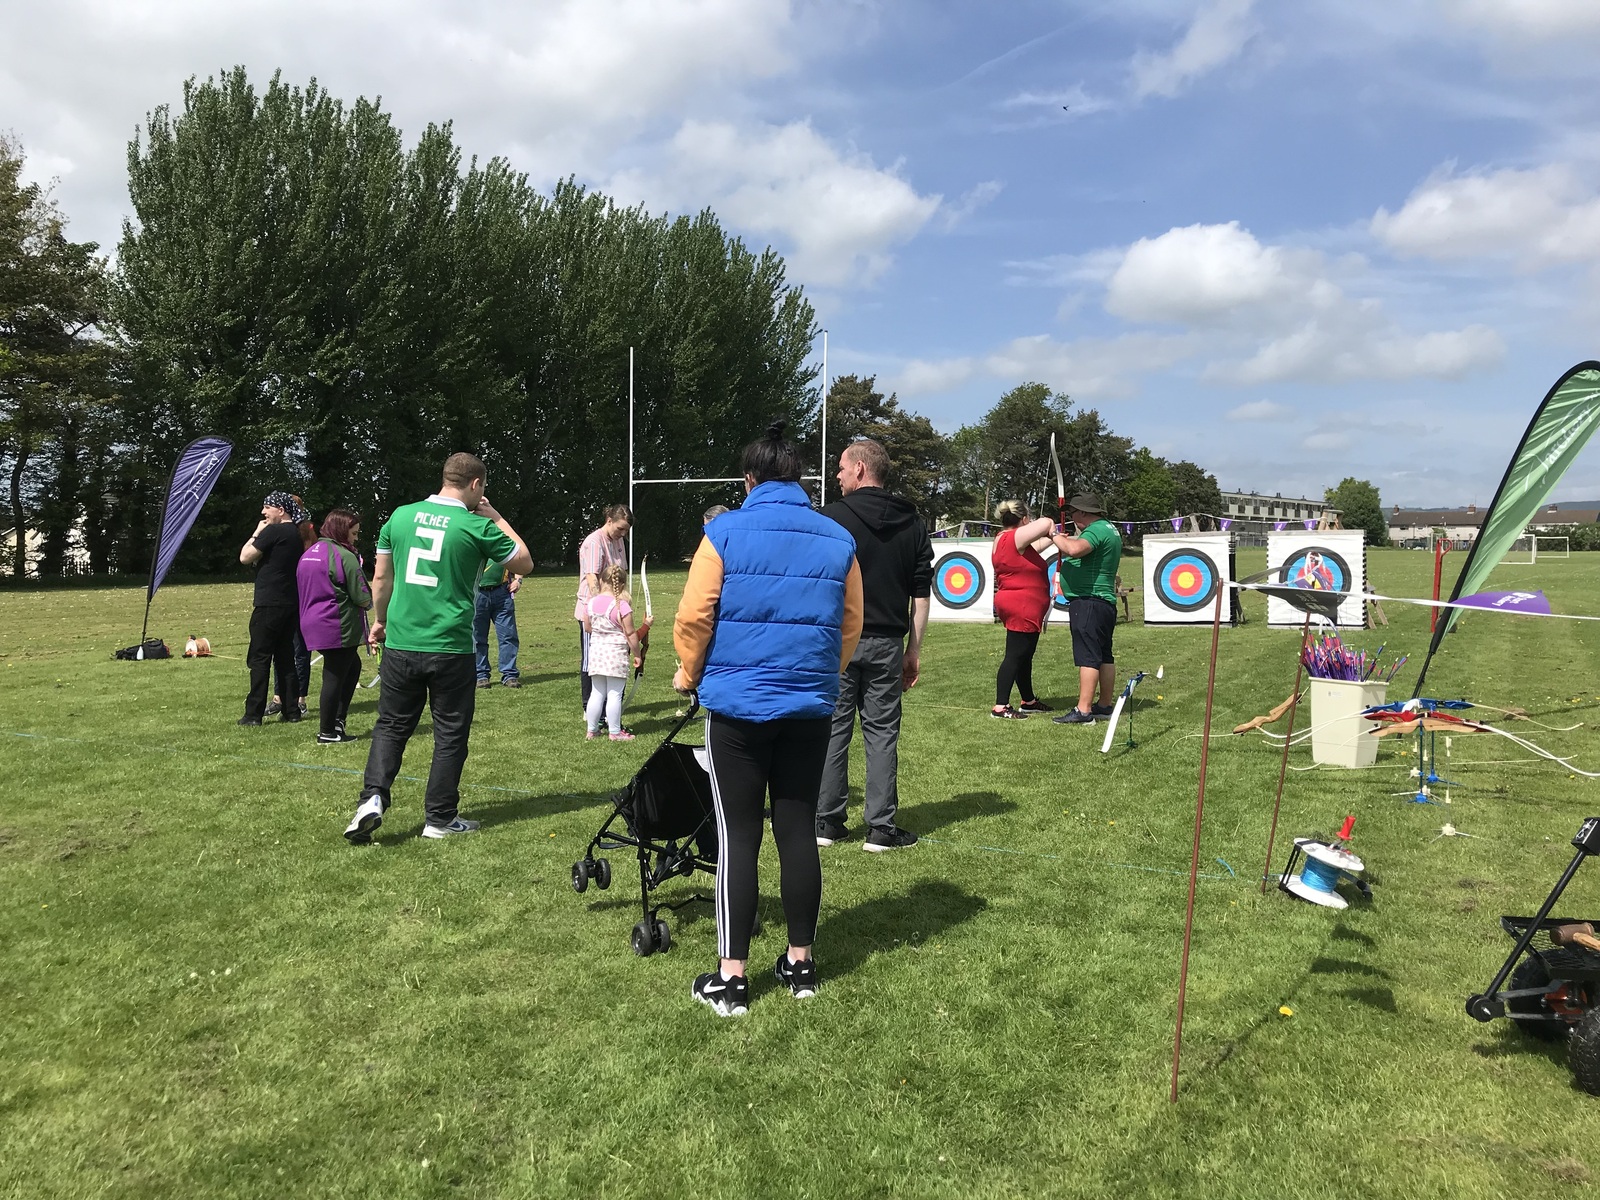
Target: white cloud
[1538, 217]
[1273, 313]
[1073, 101]
[556, 85]
[836, 214]
[1090, 368]
[1527, 20]
[1328, 440]
[971, 201]
[1260, 410]
[1217, 35]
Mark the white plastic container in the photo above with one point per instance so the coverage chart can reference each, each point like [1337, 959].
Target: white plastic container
[1340, 736]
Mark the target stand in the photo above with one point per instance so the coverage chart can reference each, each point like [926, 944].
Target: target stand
[1183, 574]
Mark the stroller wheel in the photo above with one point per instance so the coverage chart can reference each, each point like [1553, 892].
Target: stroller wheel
[1583, 1052]
[1531, 973]
[644, 942]
[580, 877]
[602, 873]
[663, 936]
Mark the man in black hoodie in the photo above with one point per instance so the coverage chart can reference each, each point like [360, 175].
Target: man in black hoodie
[896, 560]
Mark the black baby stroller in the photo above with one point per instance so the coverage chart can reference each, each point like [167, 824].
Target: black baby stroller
[667, 814]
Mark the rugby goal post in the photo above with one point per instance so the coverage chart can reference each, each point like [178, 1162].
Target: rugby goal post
[1551, 546]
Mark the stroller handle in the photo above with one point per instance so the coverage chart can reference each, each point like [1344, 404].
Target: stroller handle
[688, 715]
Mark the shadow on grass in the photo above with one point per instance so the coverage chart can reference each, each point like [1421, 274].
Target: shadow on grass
[1511, 1042]
[847, 939]
[929, 818]
[503, 810]
[1344, 966]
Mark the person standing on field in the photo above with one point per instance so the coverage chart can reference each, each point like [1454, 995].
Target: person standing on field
[424, 592]
[1088, 575]
[896, 558]
[334, 599]
[497, 604]
[274, 549]
[602, 548]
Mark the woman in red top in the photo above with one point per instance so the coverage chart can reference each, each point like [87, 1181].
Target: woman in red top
[1021, 600]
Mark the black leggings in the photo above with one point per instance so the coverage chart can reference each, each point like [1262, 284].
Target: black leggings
[341, 670]
[749, 759]
[1016, 668]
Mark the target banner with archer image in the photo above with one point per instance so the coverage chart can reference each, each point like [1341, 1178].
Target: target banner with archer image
[1326, 560]
[1183, 573]
[963, 584]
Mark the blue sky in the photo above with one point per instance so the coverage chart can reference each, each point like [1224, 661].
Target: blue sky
[1291, 241]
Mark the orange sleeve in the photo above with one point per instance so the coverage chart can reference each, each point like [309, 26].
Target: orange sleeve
[697, 612]
[851, 626]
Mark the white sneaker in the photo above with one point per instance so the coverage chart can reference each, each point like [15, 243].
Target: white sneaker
[369, 815]
[459, 825]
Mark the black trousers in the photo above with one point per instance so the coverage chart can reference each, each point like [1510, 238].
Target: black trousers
[272, 634]
[751, 760]
[585, 683]
[1016, 667]
[448, 685]
[341, 671]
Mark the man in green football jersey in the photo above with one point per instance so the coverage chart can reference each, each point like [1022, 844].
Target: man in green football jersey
[424, 590]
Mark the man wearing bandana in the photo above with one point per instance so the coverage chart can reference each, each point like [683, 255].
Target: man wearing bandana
[274, 550]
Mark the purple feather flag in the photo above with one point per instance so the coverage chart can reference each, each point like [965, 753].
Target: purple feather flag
[193, 476]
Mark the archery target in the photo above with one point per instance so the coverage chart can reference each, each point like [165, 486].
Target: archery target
[963, 584]
[1058, 602]
[1330, 560]
[1183, 573]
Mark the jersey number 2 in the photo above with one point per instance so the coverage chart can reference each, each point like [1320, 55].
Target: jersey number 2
[420, 555]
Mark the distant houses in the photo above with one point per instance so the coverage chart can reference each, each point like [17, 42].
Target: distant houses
[1415, 526]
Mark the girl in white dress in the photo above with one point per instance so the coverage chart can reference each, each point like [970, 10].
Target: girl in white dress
[613, 651]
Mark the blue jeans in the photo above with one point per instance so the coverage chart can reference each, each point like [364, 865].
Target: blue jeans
[496, 604]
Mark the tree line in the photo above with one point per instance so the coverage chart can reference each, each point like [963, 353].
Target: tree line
[349, 311]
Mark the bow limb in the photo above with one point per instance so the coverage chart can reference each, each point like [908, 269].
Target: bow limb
[1061, 483]
[644, 638]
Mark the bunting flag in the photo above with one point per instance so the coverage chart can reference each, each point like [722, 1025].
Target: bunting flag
[1309, 524]
[1560, 429]
[1176, 523]
[1227, 523]
[1278, 527]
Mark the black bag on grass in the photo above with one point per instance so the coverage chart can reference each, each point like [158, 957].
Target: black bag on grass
[152, 648]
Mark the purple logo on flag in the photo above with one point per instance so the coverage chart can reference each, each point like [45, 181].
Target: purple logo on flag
[1513, 602]
[196, 472]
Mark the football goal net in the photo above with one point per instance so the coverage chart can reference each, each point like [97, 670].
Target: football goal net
[1522, 552]
[1550, 546]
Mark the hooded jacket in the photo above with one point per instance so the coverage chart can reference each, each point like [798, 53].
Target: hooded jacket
[895, 554]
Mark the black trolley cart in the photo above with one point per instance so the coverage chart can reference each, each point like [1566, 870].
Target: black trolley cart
[665, 814]
[1554, 991]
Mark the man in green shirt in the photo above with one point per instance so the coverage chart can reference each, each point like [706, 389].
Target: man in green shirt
[1088, 576]
[424, 591]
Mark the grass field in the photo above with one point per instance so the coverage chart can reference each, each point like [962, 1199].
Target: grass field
[205, 992]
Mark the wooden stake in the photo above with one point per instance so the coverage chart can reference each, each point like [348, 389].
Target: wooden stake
[1283, 766]
[1194, 857]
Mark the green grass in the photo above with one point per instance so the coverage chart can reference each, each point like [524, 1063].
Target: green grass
[205, 992]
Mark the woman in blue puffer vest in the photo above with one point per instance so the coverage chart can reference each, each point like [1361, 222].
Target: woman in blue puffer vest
[770, 617]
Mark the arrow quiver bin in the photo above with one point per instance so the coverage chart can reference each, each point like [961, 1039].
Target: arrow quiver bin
[1549, 985]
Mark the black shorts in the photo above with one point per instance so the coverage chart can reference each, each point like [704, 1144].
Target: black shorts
[1093, 621]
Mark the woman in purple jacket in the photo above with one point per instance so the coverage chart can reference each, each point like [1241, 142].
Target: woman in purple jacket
[334, 598]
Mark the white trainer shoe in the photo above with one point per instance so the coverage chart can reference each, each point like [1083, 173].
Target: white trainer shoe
[459, 825]
[369, 815]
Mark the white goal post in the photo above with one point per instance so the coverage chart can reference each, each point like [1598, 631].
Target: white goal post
[1523, 552]
[1551, 546]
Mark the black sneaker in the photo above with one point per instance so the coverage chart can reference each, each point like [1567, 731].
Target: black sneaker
[274, 707]
[333, 739]
[249, 720]
[727, 997]
[1009, 714]
[305, 706]
[290, 717]
[799, 977]
[1036, 706]
[1075, 716]
[880, 840]
[1100, 710]
[828, 833]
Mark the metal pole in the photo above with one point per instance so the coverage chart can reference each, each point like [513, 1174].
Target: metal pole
[630, 466]
[1194, 858]
[822, 481]
[1283, 766]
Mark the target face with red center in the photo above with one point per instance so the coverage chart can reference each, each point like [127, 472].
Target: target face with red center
[1057, 599]
[958, 580]
[1186, 579]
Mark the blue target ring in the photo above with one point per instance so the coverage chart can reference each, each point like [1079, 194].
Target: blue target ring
[1186, 580]
[958, 580]
[1316, 568]
[1057, 600]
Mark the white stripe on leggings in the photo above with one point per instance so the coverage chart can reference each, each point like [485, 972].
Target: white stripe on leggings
[723, 949]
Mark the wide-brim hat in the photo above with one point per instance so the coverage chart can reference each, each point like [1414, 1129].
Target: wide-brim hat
[1086, 503]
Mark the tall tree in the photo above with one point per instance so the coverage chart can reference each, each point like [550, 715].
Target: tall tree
[1360, 507]
[1197, 490]
[1151, 493]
